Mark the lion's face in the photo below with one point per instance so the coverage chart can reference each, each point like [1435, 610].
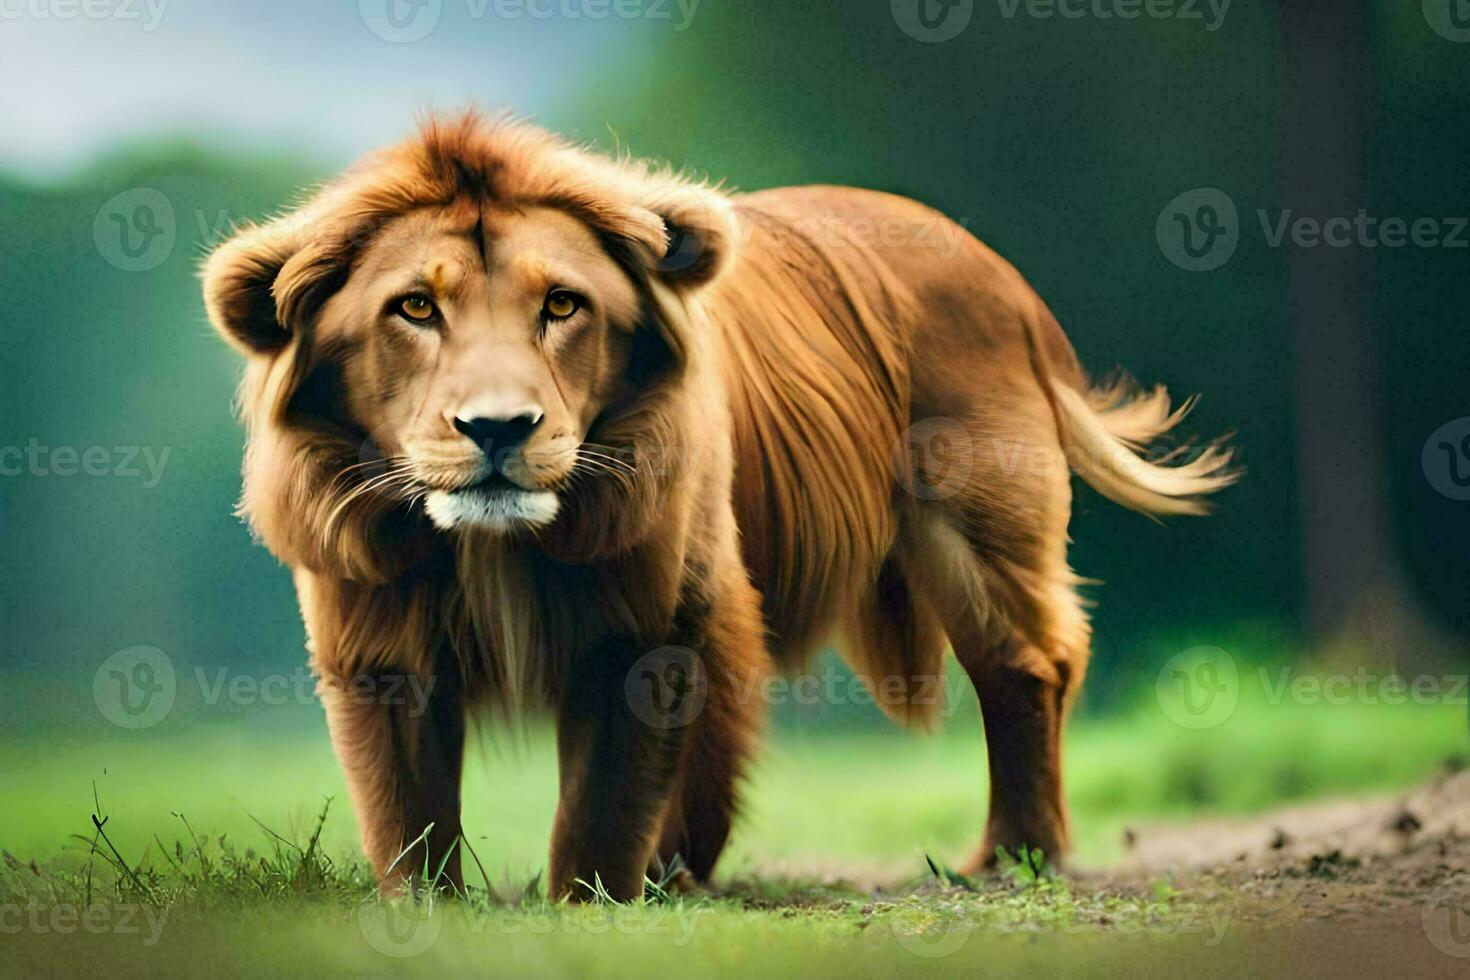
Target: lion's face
[478, 347]
[480, 327]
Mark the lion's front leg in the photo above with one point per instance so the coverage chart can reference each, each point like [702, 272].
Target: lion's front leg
[620, 737]
[722, 732]
[400, 740]
[395, 707]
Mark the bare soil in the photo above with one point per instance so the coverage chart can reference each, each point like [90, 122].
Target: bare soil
[1377, 886]
[1386, 860]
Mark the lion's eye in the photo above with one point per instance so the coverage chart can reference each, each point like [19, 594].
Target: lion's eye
[416, 308]
[561, 304]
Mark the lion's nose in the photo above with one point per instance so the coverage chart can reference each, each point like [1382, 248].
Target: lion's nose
[496, 435]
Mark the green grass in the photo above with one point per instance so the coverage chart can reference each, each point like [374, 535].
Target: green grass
[867, 801]
[199, 815]
[230, 909]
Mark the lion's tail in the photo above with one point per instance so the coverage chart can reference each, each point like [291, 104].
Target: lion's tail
[1107, 432]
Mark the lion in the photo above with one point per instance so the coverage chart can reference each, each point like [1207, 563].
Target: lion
[540, 429]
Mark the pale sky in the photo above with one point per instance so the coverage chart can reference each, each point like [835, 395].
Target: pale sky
[319, 77]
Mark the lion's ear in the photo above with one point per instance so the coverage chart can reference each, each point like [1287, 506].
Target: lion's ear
[261, 285]
[239, 278]
[701, 233]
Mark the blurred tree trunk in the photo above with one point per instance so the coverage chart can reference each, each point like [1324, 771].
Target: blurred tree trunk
[1358, 607]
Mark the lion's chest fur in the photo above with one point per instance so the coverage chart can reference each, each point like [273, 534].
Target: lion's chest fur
[520, 619]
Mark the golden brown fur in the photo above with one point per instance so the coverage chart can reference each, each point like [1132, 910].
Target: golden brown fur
[765, 424]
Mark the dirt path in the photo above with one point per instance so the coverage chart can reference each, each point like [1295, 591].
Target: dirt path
[1336, 888]
[1392, 858]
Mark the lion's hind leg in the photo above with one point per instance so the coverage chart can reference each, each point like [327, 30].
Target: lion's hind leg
[1018, 628]
[980, 558]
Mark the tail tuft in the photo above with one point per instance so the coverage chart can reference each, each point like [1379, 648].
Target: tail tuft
[1108, 430]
